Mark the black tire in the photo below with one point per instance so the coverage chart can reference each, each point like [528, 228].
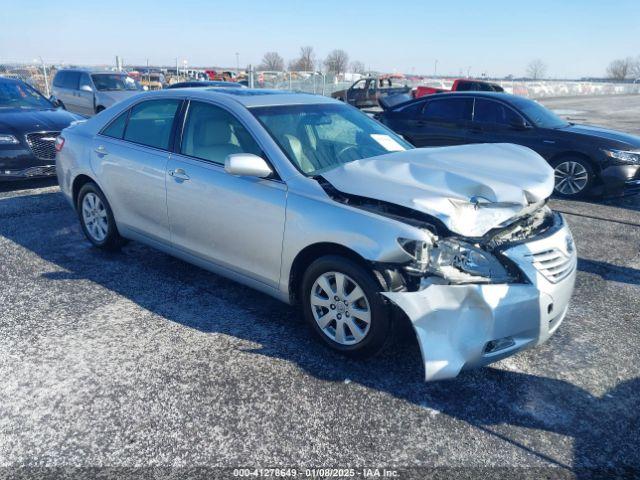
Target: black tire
[99, 109]
[379, 333]
[112, 241]
[559, 165]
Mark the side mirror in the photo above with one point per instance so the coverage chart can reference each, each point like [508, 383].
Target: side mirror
[518, 124]
[56, 102]
[247, 165]
[86, 88]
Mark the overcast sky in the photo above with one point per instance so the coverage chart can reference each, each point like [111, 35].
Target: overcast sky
[574, 38]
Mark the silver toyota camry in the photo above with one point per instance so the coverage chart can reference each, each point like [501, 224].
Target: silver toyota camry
[311, 201]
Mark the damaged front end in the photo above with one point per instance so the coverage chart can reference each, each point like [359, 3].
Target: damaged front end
[476, 300]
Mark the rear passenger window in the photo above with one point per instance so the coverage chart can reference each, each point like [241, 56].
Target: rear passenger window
[58, 81]
[116, 128]
[71, 80]
[448, 110]
[150, 123]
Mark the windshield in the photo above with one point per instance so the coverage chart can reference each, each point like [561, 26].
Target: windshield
[114, 82]
[317, 138]
[539, 115]
[21, 95]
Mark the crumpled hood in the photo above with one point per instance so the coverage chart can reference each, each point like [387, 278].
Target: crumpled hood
[470, 188]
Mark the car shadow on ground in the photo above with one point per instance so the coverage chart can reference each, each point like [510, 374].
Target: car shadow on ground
[605, 430]
[12, 186]
[610, 272]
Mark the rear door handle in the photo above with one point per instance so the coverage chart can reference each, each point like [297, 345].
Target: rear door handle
[100, 150]
[179, 174]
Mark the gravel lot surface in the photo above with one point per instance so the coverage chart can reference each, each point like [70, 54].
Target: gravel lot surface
[137, 359]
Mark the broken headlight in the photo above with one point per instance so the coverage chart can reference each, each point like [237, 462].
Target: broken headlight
[455, 261]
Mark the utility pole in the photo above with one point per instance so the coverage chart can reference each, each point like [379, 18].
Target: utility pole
[237, 63]
[46, 79]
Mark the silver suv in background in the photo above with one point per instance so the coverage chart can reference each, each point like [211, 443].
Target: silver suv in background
[313, 202]
[89, 92]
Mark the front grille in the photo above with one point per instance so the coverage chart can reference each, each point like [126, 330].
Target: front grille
[553, 264]
[43, 144]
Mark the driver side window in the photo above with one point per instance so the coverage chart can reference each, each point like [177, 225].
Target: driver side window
[211, 133]
[490, 112]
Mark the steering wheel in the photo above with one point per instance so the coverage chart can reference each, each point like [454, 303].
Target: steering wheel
[344, 150]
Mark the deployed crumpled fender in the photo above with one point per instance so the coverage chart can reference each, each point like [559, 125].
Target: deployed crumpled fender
[470, 188]
[456, 325]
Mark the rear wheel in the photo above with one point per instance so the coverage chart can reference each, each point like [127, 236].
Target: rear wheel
[96, 218]
[343, 306]
[573, 177]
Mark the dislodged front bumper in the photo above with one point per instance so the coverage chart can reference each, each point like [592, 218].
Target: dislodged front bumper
[461, 326]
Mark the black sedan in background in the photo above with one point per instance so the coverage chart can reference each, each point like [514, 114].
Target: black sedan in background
[586, 160]
[29, 125]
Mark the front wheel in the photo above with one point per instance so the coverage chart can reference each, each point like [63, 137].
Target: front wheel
[96, 218]
[343, 306]
[573, 177]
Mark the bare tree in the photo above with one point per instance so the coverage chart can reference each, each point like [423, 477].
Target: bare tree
[272, 61]
[635, 68]
[536, 69]
[305, 62]
[357, 67]
[337, 61]
[620, 69]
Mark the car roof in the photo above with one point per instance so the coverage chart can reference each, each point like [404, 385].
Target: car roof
[11, 80]
[91, 71]
[496, 95]
[257, 97]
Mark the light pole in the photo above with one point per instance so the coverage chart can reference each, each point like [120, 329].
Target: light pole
[435, 68]
[46, 79]
[237, 63]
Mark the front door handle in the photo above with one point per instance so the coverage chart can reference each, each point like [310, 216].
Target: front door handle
[179, 174]
[100, 150]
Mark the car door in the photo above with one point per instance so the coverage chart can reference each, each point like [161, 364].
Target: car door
[229, 221]
[86, 95]
[356, 92]
[497, 122]
[130, 156]
[442, 121]
[62, 89]
[72, 97]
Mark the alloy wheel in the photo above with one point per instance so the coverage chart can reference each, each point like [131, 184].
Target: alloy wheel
[94, 215]
[571, 178]
[340, 308]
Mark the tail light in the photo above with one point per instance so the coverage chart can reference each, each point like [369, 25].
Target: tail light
[59, 143]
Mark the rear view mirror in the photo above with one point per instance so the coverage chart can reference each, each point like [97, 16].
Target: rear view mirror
[86, 88]
[248, 165]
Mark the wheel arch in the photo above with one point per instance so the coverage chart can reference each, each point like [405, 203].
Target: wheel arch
[312, 252]
[574, 153]
[78, 183]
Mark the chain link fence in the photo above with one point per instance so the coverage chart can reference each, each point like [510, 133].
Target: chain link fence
[39, 75]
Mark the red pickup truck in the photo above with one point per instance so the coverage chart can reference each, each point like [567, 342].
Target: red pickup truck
[460, 85]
